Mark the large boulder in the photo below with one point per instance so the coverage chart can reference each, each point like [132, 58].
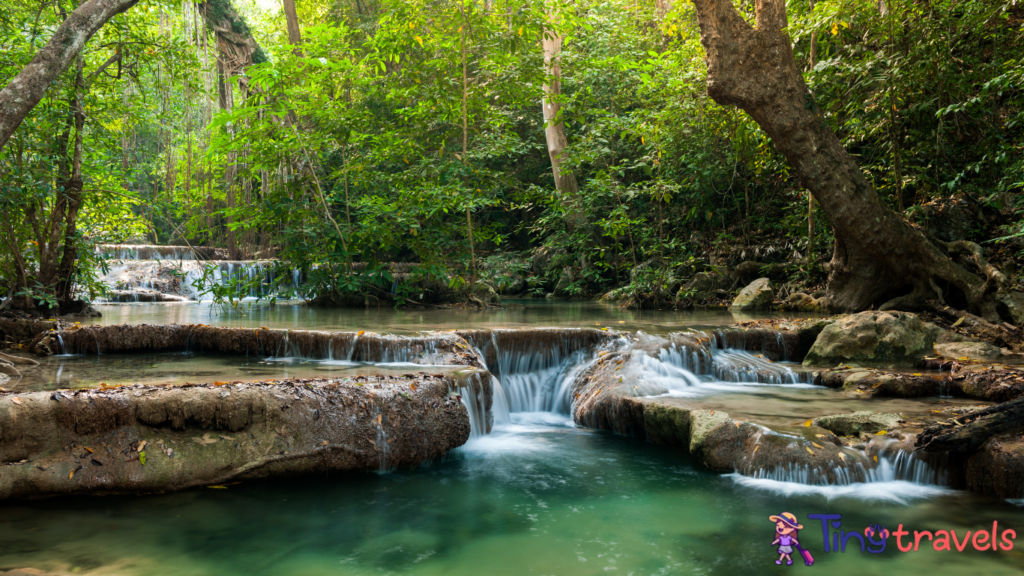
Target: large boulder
[758, 295]
[137, 439]
[873, 338]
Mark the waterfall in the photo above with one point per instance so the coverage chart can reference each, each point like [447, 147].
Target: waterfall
[684, 369]
[900, 466]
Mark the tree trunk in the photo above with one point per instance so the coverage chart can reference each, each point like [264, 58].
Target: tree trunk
[879, 259]
[554, 128]
[292, 16]
[28, 87]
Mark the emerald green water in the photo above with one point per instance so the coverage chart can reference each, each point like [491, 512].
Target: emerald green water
[537, 497]
[386, 320]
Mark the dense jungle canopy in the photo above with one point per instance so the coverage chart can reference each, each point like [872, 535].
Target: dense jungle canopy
[539, 146]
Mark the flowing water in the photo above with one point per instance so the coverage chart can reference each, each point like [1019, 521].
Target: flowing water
[537, 495]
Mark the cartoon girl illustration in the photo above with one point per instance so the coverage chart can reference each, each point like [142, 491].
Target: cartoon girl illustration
[786, 533]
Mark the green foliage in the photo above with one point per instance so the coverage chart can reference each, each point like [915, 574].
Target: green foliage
[345, 154]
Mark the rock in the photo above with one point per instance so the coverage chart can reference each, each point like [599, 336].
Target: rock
[564, 282]
[970, 350]
[25, 329]
[1014, 302]
[857, 422]
[487, 294]
[998, 385]
[142, 295]
[429, 349]
[874, 382]
[704, 286]
[722, 443]
[540, 260]
[946, 337]
[883, 338]
[804, 302]
[18, 360]
[198, 436]
[8, 369]
[758, 295]
[997, 467]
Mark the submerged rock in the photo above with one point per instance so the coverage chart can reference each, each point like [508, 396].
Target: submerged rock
[154, 439]
[758, 295]
[858, 422]
[875, 338]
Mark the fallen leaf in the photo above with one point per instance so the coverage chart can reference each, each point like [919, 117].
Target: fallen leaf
[755, 449]
[218, 487]
[876, 385]
[808, 449]
[880, 433]
[807, 424]
[818, 445]
[876, 458]
[324, 443]
[360, 333]
[378, 419]
[712, 411]
[142, 446]
[16, 400]
[842, 457]
[821, 435]
[70, 474]
[142, 458]
[220, 383]
[89, 450]
[959, 322]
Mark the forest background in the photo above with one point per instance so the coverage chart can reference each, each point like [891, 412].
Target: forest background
[342, 137]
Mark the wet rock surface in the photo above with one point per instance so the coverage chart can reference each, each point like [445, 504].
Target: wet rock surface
[858, 422]
[444, 348]
[832, 448]
[137, 439]
[758, 295]
[878, 338]
[23, 330]
[978, 351]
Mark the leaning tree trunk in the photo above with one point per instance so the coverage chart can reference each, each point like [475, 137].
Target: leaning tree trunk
[26, 90]
[879, 259]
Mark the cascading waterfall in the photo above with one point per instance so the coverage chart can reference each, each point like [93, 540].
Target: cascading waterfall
[689, 370]
[897, 466]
